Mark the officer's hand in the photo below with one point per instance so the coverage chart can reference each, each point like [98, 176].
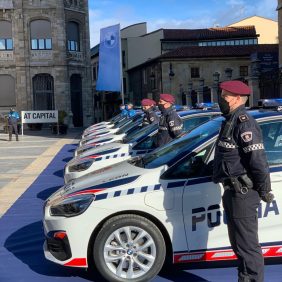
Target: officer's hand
[268, 197]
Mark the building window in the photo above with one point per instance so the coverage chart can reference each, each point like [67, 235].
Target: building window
[94, 73]
[244, 71]
[123, 59]
[40, 32]
[144, 77]
[43, 92]
[41, 44]
[7, 91]
[73, 43]
[6, 41]
[195, 72]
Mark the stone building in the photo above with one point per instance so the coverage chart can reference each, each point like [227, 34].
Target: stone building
[192, 73]
[45, 57]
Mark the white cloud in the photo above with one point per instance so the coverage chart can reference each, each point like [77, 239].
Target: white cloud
[232, 11]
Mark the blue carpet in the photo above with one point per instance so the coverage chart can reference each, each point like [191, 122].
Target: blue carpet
[21, 240]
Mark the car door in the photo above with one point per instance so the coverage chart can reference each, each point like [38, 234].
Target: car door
[201, 201]
[270, 218]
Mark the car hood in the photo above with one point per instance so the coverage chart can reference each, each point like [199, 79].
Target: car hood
[119, 175]
[106, 138]
[118, 147]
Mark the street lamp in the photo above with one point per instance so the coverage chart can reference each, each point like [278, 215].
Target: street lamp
[200, 95]
[170, 74]
[189, 94]
[214, 95]
[228, 73]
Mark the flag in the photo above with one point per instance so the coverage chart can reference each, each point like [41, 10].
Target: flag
[109, 73]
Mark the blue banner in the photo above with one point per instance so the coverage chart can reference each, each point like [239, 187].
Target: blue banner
[109, 73]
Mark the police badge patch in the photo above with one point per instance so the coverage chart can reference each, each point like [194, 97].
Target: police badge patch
[171, 123]
[247, 136]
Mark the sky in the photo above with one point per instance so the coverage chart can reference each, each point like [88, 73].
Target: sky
[190, 14]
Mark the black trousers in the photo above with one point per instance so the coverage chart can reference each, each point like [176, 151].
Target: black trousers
[13, 126]
[242, 223]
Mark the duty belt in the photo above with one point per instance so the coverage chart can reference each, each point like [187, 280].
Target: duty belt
[240, 184]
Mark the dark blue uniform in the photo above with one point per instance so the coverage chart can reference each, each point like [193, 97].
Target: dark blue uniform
[13, 118]
[240, 164]
[150, 117]
[170, 127]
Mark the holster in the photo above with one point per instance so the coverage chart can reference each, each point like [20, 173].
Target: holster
[239, 184]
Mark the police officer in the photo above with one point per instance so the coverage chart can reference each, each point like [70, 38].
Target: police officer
[130, 111]
[150, 116]
[240, 164]
[123, 111]
[170, 125]
[13, 118]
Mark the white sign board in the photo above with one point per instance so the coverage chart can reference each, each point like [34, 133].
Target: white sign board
[39, 116]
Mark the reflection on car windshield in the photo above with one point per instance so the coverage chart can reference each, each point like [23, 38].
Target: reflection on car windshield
[135, 135]
[166, 153]
[128, 126]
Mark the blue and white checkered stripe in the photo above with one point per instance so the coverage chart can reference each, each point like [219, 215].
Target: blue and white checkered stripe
[135, 153]
[130, 191]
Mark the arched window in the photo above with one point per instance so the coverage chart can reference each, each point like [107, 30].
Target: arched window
[7, 91]
[43, 92]
[73, 36]
[40, 33]
[6, 38]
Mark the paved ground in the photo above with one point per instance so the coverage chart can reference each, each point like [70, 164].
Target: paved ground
[21, 162]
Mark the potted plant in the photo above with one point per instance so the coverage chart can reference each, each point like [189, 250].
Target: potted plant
[63, 128]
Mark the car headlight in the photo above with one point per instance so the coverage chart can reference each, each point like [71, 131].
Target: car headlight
[80, 167]
[72, 206]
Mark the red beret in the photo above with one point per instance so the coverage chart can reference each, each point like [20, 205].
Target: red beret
[148, 102]
[236, 87]
[168, 98]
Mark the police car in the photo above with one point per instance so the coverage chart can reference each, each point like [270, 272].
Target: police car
[125, 124]
[117, 135]
[139, 142]
[126, 219]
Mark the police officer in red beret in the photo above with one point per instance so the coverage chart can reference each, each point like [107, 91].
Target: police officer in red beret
[150, 116]
[241, 166]
[170, 125]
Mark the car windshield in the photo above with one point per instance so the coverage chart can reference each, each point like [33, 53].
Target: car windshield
[173, 149]
[121, 123]
[144, 131]
[128, 126]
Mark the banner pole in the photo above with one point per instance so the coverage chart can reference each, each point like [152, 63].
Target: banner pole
[121, 69]
[22, 122]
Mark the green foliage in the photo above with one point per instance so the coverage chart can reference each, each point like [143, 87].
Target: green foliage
[61, 116]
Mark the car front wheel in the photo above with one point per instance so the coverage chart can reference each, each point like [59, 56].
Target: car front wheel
[129, 248]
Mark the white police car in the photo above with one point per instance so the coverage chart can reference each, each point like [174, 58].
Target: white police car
[125, 124]
[138, 142]
[127, 218]
[115, 136]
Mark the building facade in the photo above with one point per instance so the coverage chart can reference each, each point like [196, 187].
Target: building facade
[193, 73]
[45, 57]
[267, 29]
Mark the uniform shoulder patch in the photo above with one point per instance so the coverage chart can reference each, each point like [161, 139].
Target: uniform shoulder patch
[243, 118]
[247, 136]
